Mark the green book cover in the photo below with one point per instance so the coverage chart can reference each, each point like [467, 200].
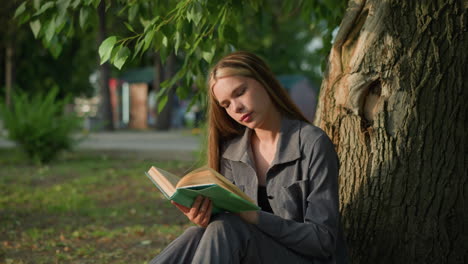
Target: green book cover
[223, 199]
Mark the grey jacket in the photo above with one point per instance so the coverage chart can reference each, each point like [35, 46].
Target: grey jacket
[302, 188]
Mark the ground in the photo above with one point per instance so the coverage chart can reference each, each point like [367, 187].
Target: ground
[84, 208]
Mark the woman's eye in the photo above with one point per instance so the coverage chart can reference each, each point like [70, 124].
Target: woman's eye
[225, 106]
[241, 91]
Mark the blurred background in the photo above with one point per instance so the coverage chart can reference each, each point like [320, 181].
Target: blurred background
[294, 45]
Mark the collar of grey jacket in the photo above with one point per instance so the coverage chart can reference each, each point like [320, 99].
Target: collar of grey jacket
[287, 148]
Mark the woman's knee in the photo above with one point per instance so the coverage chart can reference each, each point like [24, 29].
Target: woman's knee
[181, 250]
[194, 231]
[226, 223]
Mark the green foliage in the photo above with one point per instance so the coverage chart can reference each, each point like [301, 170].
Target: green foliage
[39, 125]
[105, 50]
[36, 67]
[199, 31]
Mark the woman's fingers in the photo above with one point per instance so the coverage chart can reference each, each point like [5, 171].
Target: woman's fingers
[204, 213]
[182, 208]
[199, 213]
[197, 209]
[196, 206]
[207, 216]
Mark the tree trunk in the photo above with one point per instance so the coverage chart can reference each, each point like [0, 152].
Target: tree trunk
[392, 102]
[105, 108]
[8, 71]
[164, 118]
[158, 72]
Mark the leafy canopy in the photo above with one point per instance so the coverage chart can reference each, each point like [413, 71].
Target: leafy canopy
[198, 31]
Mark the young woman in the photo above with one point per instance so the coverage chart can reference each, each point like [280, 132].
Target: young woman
[260, 141]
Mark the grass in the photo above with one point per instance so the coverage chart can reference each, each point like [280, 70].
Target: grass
[84, 209]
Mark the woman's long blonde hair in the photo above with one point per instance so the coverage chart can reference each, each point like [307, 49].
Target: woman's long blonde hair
[221, 127]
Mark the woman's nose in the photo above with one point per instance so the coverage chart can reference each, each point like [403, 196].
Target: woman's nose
[238, 107]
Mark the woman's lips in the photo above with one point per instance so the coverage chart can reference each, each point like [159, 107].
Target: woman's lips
[246, 117]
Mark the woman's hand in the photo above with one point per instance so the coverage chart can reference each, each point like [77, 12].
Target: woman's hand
[199, 213]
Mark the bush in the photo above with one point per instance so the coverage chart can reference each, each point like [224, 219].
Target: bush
[39, 125]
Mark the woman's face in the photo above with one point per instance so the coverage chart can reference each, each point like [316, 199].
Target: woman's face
[245, 100]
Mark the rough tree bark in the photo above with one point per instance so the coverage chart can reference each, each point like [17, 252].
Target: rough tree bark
[392, 101]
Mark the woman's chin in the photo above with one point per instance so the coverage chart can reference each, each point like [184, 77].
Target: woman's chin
[251, 125]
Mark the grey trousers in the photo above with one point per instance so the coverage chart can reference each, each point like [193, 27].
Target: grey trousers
[227, 239]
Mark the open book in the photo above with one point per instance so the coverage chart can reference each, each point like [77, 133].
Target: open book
[204, 181]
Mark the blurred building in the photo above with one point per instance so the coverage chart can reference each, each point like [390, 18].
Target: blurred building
[134, 99]
[302, 92]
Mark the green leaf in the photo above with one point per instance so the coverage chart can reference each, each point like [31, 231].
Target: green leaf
[60, 21]
[55, 49]
[20, 10]
[132, 12]
[96, 3]
[24, 18]
[108, 5]
[164, 86]
[76, 3]
[145, 23]
[208, 55]
[105, 49]
[194, 46]
[35, 27]
[63, 5]
[189, 78]
[148, 38]
[197, 14]
[170, 82]
[158, 37]
[161, 92]
[50, 30]
[177, 42]
[189, 15]
[121, 56]
[180, 25]
[138, 48]
[221, 26]
[163, 53]
[164, 41]
[162, 102]
[37, 4]
[129, 27]
[183, 92]
[84, 14]
[44, 8]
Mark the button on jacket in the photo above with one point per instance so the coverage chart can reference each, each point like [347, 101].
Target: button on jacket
[302, 188]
